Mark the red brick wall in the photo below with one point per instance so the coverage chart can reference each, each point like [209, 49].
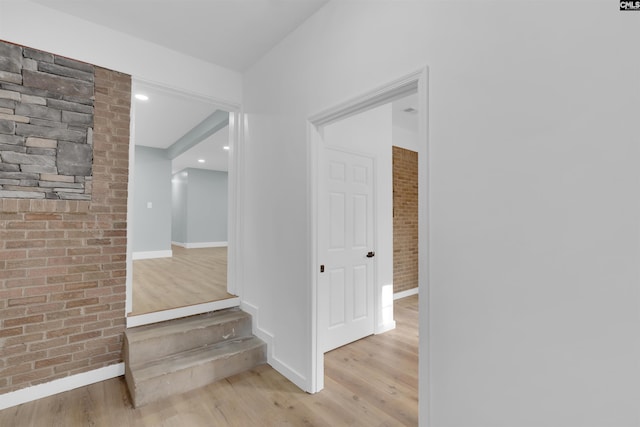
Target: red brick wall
[63, 263]
[405, 219]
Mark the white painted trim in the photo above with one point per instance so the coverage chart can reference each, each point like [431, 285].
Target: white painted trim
[235, 198]
[253, 310]
[198, 245]
[170, 89]
[291, 374]
[235, 222]
[132, 158]
[152, 254]
[411, 83]
[385, 327]
[407, 293]
[382, 95]
[61, 385]
[176, 313]
[314, 141]
[424, 310]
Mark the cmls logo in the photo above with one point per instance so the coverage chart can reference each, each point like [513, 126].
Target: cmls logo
[629, 5]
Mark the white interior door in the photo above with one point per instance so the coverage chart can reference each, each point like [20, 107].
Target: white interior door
[346, 249]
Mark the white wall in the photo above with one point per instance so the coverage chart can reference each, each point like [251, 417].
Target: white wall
[39, 27]
[207, 206]
[533, 198]
[405, 138]
[200, 206]
[179, 198]
[152, 225]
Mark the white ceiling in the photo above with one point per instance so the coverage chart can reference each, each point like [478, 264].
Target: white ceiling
[167, 116]
[210, 150]
[231, 33]
[402, 118]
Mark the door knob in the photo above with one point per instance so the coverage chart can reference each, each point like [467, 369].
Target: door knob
[371, 254]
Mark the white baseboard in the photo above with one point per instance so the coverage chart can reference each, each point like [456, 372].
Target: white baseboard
[61, 385]
[152, 254]
[288, 372]
[406, 293]
[385, 327]
[176, 313]
[263, 334]
[198, 245]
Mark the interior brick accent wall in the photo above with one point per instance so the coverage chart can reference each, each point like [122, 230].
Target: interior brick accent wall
[63, 262]
[405, 219]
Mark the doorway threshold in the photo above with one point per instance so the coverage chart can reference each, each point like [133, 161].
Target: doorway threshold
[176, 313]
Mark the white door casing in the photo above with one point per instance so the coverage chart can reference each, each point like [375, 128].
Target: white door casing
[416, 81]
[235, 229]
[347, 247]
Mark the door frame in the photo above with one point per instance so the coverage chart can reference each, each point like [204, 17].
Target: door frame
[415, 82]
[234, 222]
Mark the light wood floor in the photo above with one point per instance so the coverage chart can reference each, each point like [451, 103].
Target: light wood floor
[372, 382]
[191, 276]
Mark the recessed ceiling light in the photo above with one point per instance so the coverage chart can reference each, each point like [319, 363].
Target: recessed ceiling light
[200, 160]
[142, 97]
[226, 147]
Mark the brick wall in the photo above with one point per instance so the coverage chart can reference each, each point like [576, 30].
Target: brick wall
[63, 262]
[405, 219]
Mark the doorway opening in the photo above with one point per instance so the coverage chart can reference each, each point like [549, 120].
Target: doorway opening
[405, 196]
[181, 205]
[361, 121]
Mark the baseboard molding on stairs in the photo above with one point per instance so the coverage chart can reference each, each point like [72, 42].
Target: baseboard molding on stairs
[263, 334]
[61, 385]
[291, 374]
[176, 313]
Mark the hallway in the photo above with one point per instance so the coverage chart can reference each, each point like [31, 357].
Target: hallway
[373, 381]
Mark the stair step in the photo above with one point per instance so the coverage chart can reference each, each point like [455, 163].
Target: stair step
[193, 368]
[198, 356]
[152, 342]
[180, 355]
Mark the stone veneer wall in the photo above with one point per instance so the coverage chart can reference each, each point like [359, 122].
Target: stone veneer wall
[46, 121]
[405, 219]
[63, 262]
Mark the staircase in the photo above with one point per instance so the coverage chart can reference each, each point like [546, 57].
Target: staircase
[180, 355]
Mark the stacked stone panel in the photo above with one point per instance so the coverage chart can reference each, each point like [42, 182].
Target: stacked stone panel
[46, 125]
[63, 262]
[405, 219]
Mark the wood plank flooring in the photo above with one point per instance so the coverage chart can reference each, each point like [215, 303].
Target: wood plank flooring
[191, 276]
[372, 382]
